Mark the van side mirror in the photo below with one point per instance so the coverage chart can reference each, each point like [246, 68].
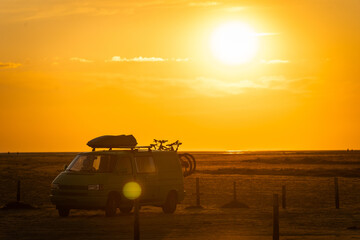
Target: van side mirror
[65, 167]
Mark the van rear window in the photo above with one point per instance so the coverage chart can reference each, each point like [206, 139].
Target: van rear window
[93, 163]
[145, 164]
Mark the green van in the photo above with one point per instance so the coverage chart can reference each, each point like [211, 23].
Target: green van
[94, 180]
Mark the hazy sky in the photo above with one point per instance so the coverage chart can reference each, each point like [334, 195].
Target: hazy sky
[74, 70]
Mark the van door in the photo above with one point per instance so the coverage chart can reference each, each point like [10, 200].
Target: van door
[122, 173]
[147, 177]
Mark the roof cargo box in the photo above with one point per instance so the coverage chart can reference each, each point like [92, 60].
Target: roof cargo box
[110, 141]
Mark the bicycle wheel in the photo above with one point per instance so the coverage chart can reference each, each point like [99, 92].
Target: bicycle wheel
[186, 164]
[193, 161]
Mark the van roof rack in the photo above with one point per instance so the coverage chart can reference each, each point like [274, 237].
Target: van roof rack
[132, 148]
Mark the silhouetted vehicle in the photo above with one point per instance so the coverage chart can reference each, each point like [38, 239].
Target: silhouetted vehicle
[94, 180]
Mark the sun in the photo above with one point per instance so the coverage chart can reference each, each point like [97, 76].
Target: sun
[234, 43]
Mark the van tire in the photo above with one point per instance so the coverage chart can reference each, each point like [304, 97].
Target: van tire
[169, 206]
[63, 212]
[126, 209]
[111, 206]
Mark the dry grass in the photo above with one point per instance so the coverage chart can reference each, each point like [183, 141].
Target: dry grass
[310, 200]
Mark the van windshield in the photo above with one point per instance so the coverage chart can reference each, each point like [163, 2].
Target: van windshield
[93, 163]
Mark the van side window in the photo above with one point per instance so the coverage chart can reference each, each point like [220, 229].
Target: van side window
[93, 163]
[123, 165]
[145, 164]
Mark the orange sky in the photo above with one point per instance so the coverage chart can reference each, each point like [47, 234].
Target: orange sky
[74, 70]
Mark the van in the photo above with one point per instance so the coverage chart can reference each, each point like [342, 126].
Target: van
[94, 180]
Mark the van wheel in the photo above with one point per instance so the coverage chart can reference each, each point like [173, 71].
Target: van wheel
[63, 212]
[170, 204]
[126, 209]
[111, 206]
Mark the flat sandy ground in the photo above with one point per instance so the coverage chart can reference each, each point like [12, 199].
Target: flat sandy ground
[310, 212]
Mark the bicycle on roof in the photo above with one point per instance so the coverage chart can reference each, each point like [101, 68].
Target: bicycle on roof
[159, 145]
[174, 146]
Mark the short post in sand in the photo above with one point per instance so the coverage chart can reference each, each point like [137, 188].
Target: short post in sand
[197, 192]
[337, 201]
[235, 203]
[276, 218]
[18, 191]
[234, 191]
[132, 191]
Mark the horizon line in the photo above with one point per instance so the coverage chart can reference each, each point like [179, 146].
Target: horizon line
[202, 150]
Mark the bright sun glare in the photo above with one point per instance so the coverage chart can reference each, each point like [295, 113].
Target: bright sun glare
[234, 43]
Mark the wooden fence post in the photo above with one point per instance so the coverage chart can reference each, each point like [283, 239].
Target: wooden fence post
[136, 220]
[276, 218]
[283, 202]
[18, 191]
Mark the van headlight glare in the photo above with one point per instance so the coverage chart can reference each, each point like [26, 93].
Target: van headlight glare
[95, 187]
[54, 186]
